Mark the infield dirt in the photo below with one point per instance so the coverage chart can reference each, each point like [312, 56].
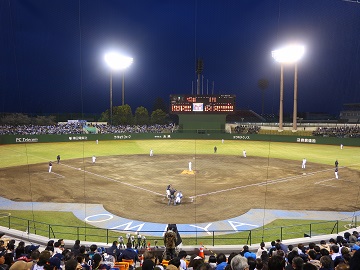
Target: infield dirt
[220, 186]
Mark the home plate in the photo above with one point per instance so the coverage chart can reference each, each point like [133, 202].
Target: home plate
[188, 172]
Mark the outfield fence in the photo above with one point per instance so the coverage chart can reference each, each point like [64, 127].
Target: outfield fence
[211, 238]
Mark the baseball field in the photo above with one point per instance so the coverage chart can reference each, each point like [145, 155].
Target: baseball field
[130, 183]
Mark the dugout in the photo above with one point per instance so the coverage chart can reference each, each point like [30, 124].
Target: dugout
[202, 123]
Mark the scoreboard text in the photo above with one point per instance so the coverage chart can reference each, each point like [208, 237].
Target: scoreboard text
[202, 104]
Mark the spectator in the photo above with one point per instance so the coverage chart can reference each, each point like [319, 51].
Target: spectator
[239, 263]
[325, 262]
[76, 248]
[221, 261]
[113, 250]
[182, 256]
[260, 250]
[170, 243]
[3, 266]
[128, 254]
[276, 263]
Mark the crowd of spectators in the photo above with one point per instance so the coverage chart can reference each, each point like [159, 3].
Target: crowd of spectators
[78, 128]
[68, 128]
[341, 253]
[106, 129]
[339, 132]
[247, 129]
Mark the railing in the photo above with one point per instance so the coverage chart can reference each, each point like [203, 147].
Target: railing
[212, 238]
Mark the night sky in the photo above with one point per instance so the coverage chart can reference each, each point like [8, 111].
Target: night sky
[52, 52]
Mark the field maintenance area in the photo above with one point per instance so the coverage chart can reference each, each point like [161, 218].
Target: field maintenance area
[220, 186]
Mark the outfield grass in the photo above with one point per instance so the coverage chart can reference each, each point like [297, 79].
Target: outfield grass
[23, 154]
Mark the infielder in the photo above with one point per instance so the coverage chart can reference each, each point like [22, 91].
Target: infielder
[93, 159]
[151, 153]
[303, 165]
[337, 173]
[50, 166]
[244, 153]
[190, 166]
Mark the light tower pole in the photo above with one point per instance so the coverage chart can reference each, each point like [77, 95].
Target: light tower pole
[288, 54]
[117, 62]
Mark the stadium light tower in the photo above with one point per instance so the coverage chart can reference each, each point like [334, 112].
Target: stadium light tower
[116, 62]
[288, 54]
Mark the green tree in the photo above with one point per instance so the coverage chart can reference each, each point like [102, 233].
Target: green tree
[158, 117]
[122, 115]
[159, 104]
[105, 116]
[16, 119]
[44, 120]
[141, 116]
[263, 84]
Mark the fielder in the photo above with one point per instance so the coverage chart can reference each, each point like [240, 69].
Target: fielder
[190, 166]
[50, 166]
[151, 153]
[93, 159]
[303, 165]
[337, 173]
[244, 153]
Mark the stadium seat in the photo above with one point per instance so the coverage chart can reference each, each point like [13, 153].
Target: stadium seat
[131, 262]
[165, 263]
[122, 265]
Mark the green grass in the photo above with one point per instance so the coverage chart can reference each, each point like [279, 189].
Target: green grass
[55, 225]
[24, 154]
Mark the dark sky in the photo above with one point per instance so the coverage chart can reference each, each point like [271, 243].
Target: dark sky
[51, 52]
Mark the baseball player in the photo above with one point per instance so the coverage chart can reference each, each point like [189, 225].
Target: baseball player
[58, 159]
[50, 166]
[151, 153]
[178, 198]
[303, 165]
[244, 153]
[190, 166]
[337, 173]
[93, 159]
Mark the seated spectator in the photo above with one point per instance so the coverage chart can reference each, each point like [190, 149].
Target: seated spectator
[239, 263]
[261, 249]
[182, 256]
[221, 261]
[325, 262]
[98, 263]
[129, 254]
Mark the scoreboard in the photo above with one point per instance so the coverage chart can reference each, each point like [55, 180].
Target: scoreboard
[202, 104]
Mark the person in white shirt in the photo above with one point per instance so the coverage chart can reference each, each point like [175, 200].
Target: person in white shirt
[182, 256]
[178, 197]
[260, 250]
[303, 165]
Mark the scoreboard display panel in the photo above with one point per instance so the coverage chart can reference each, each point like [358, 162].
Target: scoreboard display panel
[202, 103]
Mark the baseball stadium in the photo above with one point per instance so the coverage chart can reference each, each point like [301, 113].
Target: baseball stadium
[225, 194]
[236, 142]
